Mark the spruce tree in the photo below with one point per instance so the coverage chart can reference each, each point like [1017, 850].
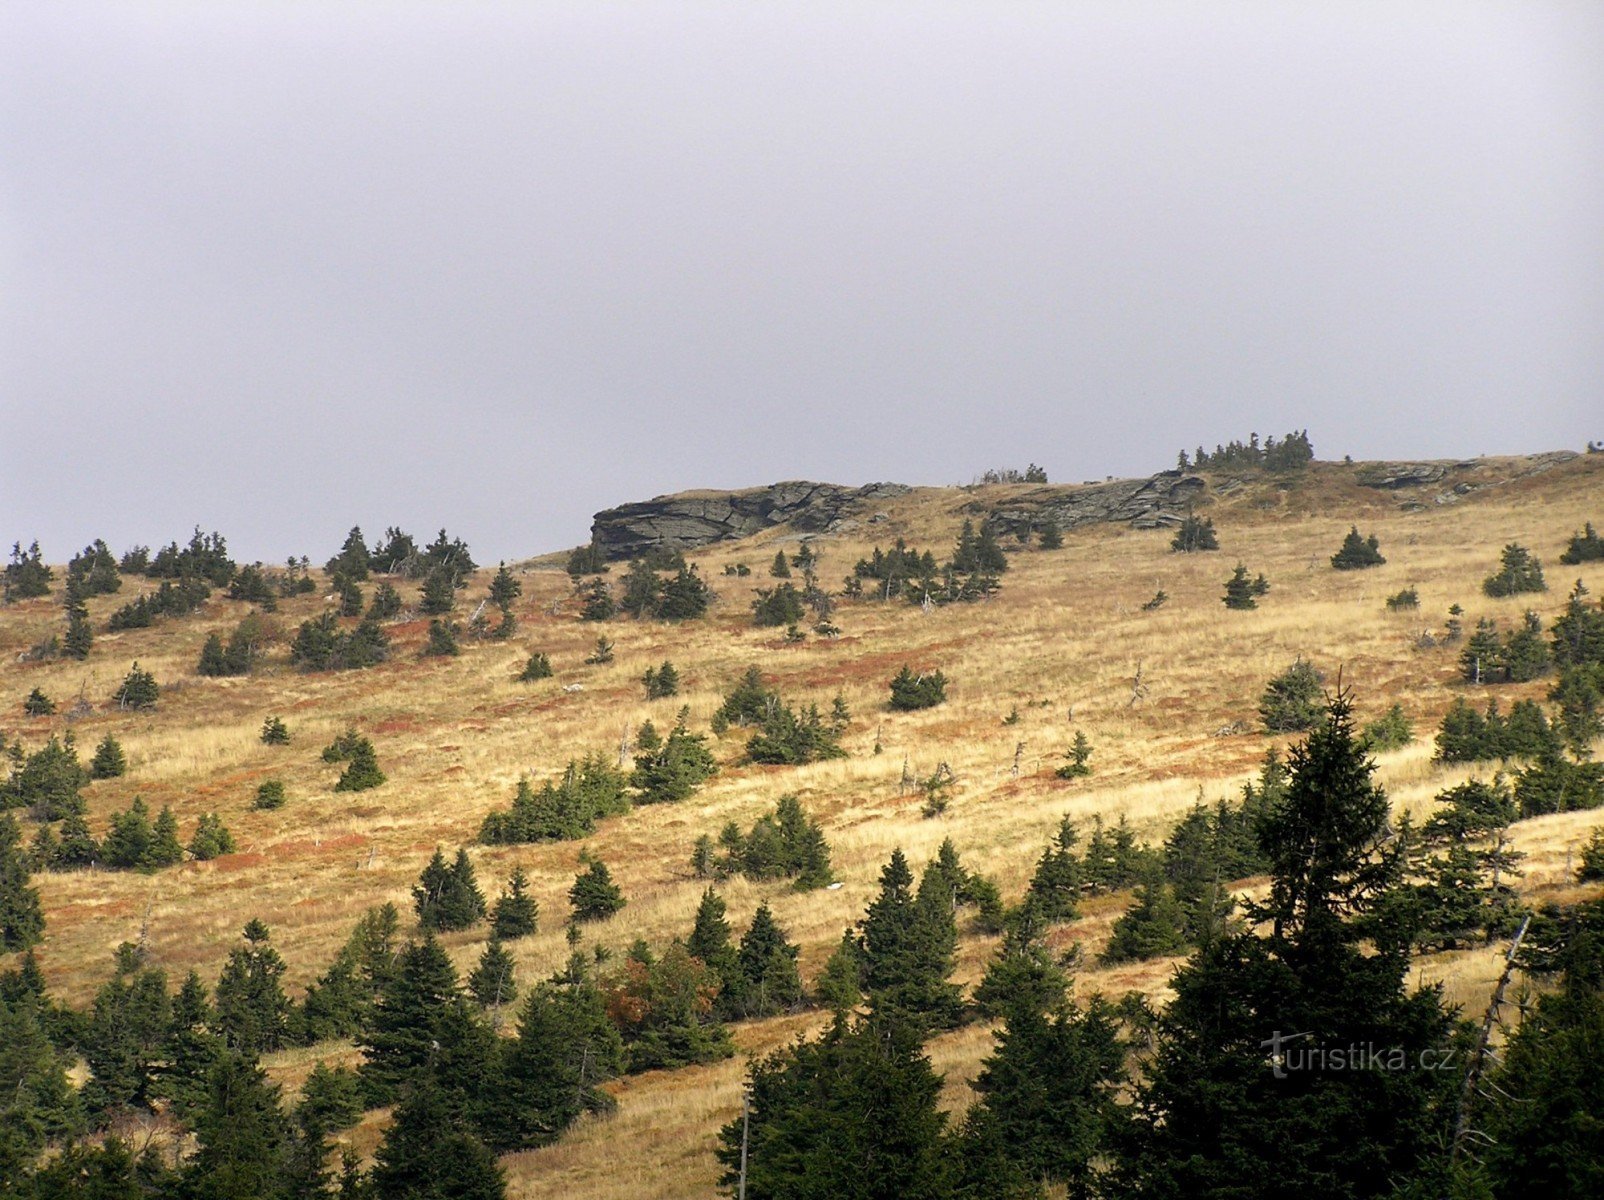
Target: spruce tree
[910, 692]
[1052, 537]
[351, 599]
[538, 667]
[1534, 1127]
[1054, 891]
[37, 1102]
[78, 639]
[710, 944]
[1079, 758]
[1518, 572]
[839, 986]
[767, 982]
[594, 896]
[386, 603]
[138, 690]
[439, 593]
[989, 556]
[598, 603]
[1239, 590]
[852, 1114]
[494, 980]
[1153, 926]
[673, 769]
[428, 1153]
[252, 1009]
[361, 769]
[1048, 1092]
[504, 589]
[442, 641]
[242, 1135]
[448, 898]
[1357, 553]
[1194, 533]
[212, 839]
[661, 681]
[275, 732]
[331, 1097]
[22, 922]
[124, 1041]
[665, 1009]
[165, 849]
[408, 1018]
[49, 780]
[909, 944]
[26, 577]
[354, 562]
[108, 762]
[1242, 1073]
[1024, 971]
[269, 796]
[1585, 546]
[515, 913]
[192, 1050]
[1292, 700]
[77, 847]
[38, 704]
[128, 840]
[93, 570]
[552, 1071]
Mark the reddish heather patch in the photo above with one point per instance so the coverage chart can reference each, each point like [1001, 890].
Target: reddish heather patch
[409, 629]
[875, 666]
[78, 914]
[238, 862]
[305, 847]
[398, 725]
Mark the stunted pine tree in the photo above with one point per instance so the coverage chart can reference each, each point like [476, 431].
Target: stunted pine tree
[515, 913]
[1357, 553]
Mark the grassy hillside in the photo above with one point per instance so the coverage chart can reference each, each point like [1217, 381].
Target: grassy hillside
[1061, 644]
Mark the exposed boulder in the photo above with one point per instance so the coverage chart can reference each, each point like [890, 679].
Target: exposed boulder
[687, 520]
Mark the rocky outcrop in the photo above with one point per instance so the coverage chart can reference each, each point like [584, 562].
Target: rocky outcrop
[689, 519]
[1468, 474]
[1142, 503]
[1394, 475]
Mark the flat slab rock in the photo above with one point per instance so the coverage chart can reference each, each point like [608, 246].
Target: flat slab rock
[1394, 476]
[687, 520]
[1141, 503]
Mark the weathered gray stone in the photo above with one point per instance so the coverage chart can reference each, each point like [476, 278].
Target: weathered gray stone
[1394, 475]
[690, 519]
[1141, 503]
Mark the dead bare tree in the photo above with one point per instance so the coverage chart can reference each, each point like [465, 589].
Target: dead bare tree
[1463, 1133]
[1138, 687]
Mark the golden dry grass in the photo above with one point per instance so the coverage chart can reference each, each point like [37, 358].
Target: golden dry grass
[1061, 642]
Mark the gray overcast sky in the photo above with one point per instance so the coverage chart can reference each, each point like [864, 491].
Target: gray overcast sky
[281, 268]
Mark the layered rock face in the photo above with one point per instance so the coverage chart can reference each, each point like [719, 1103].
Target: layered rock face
[1456, 479]
[690, 519]
[1141, 503]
